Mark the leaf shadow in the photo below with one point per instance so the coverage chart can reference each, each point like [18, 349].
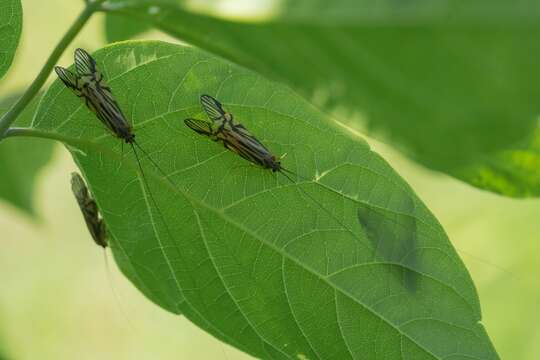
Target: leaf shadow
[394, 238]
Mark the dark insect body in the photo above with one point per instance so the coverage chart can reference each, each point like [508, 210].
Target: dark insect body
[89, 84]
[233, 135]
[90, 211]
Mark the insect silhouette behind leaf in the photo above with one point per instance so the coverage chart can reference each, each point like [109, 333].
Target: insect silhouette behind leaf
[394, 238]
[89, 84]
[95, 225]
[89, 209]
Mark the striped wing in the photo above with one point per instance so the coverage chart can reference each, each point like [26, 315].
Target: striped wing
[101, 101]
[72, 81]
[240, 140]
[89, 84]
[199, 126]
[213, 108]
[84, 63]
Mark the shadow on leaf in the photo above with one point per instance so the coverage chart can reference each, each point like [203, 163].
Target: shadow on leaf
[393, 236]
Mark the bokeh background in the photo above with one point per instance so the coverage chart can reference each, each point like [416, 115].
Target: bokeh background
[58, 301]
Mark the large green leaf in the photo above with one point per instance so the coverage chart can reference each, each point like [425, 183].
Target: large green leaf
[21, 160]
[448, 82]
[10, 31]
[118, 28]
[246, 254]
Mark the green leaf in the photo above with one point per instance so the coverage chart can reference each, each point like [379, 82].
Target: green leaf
[246, 254]
[21, 160]
[10, 31]
[447, 82]
[514, 171]
[118, 28]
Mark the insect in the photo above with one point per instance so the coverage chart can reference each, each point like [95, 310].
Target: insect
[89, 209]
[235, 137]
[89, 84]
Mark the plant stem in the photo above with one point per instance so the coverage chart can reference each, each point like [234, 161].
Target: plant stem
[11, 115]
[28, 132]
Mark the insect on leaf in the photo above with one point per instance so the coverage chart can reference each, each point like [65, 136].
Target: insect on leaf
[234, 136]
[90, 85]
[89, 209]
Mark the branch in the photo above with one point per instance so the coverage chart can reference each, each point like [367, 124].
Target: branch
[13, 113]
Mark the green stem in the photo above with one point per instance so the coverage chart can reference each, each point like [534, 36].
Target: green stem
[13, 113]
[29, 132]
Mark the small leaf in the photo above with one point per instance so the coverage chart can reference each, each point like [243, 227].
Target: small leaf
[10, 31]
[448, 83]
[243, 252]
[21, 160]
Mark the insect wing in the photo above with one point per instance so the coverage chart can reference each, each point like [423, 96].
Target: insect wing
[238, 139]
[213, 108]
[199, 126]
[107, 110]
[84, 63]
[233, 135]
[72, 81]
[98, 95]
[79, 188]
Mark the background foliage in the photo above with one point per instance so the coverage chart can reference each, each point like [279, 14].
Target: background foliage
[490, 237]
[450, 85]
[21, 162]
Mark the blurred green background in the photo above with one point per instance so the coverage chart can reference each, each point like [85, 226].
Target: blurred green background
[57, 302]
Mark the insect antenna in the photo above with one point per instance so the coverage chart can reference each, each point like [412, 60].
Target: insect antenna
[163, 173]
[147, 185]
[116, 294]
[487, 263]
